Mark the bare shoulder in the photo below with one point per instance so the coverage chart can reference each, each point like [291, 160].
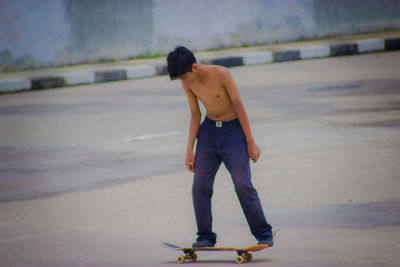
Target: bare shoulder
[220, 70]
[217, 72]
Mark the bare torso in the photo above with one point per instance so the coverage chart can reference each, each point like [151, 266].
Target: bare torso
[216, 89]
[211, 92]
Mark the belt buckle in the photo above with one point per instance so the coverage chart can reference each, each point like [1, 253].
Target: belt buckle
[218, 124]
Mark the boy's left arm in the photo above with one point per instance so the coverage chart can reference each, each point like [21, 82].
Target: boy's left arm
[230, 86]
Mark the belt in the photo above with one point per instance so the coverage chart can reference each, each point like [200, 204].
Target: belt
[221, 124]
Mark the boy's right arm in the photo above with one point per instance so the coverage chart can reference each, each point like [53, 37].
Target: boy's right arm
[194, 126]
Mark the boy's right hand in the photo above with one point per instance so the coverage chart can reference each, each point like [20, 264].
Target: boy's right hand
[189, 162]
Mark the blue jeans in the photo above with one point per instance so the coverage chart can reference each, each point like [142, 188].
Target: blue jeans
[226, 144]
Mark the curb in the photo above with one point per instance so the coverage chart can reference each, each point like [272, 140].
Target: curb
[253, 58]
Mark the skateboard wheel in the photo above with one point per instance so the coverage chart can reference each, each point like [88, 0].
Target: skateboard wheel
[194, 257]
[181, 259]
[239, 259]
[249, 257]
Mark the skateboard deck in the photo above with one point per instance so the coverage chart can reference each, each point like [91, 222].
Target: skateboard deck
[243, 253]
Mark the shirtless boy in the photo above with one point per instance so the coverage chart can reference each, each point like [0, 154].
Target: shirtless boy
[223, 136]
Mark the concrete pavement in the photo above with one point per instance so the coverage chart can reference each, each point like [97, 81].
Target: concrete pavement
[93, 175]
[124, 70]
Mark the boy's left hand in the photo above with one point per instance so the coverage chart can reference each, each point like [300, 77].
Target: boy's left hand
[254, 151]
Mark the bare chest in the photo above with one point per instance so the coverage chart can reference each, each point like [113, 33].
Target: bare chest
[210, 94]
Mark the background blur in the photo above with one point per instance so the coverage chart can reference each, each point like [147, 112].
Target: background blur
[59, 32]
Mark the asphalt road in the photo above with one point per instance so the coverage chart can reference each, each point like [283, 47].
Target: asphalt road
[94, 175]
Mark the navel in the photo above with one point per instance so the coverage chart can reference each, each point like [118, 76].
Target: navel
[218, 96]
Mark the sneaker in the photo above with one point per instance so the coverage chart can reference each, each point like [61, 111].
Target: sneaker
[266, 241]
[200, 243]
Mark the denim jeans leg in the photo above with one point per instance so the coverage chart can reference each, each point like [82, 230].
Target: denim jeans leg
[238, 164]
[205, 169]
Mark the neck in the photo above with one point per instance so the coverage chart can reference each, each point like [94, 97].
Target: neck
[199, 73]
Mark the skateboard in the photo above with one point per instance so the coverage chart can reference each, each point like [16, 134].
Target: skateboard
[243, 253]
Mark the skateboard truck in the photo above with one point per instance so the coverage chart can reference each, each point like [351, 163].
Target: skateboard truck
[189, 255]
[243, 256]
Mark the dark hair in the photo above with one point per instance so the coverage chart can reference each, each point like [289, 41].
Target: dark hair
[179, 62]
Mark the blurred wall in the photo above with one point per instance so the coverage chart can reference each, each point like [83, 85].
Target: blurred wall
[36, 33]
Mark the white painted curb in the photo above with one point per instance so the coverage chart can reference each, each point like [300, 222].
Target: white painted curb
[14, 85]
[257, 58]
[365, 46]
[79, 78]
[140, 71]
[253, 58]
[315, 52]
